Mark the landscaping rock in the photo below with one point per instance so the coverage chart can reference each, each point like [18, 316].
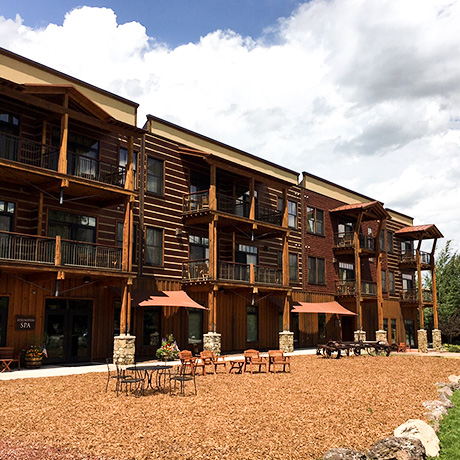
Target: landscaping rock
[344, 454]
[419, 429]
[454, 378]
[398, 448]
[436, 405]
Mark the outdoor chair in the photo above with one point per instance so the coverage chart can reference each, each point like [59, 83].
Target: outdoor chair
[7, 357]
[112, 374]
[209, 359]
[187, 360]
[184, 374]
[277, 358]
[402, 347]
[129, 380]
[252, 359]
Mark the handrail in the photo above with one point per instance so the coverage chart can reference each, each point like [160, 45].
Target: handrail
[347, 240]
[348, 287]
[196, 201]
[410, 257]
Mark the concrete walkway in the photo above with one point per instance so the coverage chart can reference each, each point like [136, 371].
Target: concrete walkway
[57, 370]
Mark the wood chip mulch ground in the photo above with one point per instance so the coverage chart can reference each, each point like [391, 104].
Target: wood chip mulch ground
[321, 404]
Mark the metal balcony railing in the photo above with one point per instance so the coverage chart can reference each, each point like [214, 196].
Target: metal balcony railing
[27, 248]
[410, 257]
[349, 288]
[195, 270]
[412, 295]
[268, 275]
[90, 255]
[194, 202]
[233, 271]
[346, 240]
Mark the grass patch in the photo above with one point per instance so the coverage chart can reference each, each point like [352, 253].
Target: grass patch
[449, 432]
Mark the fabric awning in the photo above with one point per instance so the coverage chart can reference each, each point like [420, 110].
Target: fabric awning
[170, 299]
[321, 307]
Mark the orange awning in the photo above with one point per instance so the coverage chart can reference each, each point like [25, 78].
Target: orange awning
[170, 299]
[321, 307]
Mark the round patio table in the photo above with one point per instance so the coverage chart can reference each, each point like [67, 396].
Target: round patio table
[154, 374]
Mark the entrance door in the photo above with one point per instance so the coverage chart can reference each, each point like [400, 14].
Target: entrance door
[3, 320]
[68, 330]
[348, 327]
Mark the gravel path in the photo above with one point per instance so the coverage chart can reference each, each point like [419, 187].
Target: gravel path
[323, 403]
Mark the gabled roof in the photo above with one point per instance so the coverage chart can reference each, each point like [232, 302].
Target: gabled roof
[420, 232]
[372, 210]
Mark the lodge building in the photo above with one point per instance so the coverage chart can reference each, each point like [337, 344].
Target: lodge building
[108, 230]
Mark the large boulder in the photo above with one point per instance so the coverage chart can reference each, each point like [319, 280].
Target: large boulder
[397, 448]
[343, 454]
[419, 429]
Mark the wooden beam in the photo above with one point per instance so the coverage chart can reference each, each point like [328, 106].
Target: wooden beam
[286, 313]
[129, 180]
[378, 251]
[433, 286]
[252, 198]
[419, 283]
[213, 188]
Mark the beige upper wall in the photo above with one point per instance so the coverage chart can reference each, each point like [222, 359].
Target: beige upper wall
[21, 70]
[402, 218]
[207, 145]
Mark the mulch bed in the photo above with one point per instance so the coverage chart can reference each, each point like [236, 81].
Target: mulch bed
[323, 403]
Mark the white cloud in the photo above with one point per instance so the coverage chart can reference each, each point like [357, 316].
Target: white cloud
[360, 92]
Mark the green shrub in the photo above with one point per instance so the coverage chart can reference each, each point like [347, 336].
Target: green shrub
[452, 348]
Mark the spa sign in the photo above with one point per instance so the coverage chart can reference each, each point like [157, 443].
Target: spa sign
[25, 323]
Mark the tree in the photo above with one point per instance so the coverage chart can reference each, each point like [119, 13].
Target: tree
[448, 291]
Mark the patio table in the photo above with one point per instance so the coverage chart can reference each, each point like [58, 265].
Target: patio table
[159, 371]
[237, 365]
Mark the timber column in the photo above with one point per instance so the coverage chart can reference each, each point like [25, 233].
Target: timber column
[359, 334]
[436, 333]
[421, 333]
[124, 345]
[380, 334]
[212, 340]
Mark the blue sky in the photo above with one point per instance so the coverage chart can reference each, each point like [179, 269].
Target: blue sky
[363, 93]
[172, 21]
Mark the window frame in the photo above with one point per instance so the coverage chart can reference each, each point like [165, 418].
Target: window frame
[384, 281]
[315, 221]
[155, 229]
[135, 166]
[391, 282]
[390, 242]
[292, 216]
[314, 278]
[162, 179]
[291, 267]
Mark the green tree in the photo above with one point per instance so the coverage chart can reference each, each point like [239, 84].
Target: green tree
[448, 291]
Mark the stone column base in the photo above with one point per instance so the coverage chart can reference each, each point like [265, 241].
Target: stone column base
[422, 341]
[212, 342]
[360, 335]
[286, 341]
[437, 339]
[124, 349]
[381, 336]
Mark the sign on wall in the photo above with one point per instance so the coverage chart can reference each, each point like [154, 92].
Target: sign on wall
[25, 323]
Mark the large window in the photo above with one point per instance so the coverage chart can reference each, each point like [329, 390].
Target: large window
[315, 221]
[199, 247]
[195, 326]
[69, 226]
[6, 216]
[252, 323]
[346, 271]
[382, 241]
[246, 254]
[391, 281]
[384, 281]
[292, 214]
[316, 271]
[122, 162]
[153, 246]
[9, 126]
[293, 267]
[155, 175]
[390, 242]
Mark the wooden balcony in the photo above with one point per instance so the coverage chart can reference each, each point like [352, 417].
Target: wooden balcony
[408, 259]
[18, 249]
[344, 242]
[195, 204]
[36, 155]
[411, 296]
[198, 271]
[349, 288]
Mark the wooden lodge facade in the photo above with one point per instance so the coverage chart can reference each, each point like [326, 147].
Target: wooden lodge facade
[98, 216]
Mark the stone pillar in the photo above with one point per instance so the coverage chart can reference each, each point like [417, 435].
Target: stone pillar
[124, 349]
[422, 341]
[212, 342]
[286, 341]
[437, 339]
[381, 336]
[360, 335]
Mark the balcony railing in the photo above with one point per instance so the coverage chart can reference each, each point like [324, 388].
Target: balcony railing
[28, 152]
[19, 247]
[198, 270]
[199, 201]
[411, 295]
[410, 257]
[44, 156]
[345, 288]
[346, 240]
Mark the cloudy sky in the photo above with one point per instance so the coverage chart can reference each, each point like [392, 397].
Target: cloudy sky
[363, 93]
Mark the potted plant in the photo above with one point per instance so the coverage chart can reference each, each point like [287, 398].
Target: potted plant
[33, 357]
[168, 350]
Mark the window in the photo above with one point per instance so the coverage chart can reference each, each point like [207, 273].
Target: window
[246, 254]
[199, 247]
[407, 282]
[280, 259]
[6, 216]
[406, 247]
[280, 204]
[151, 326]
[292, 214]
[155, 172]
[385, 325]
[195, 326]
[384, 281]
[153, 246]
[393, 330]
[346, 271]
[120, 238]
[252, 323]
[321, 325]
[293, 267]
[123, 160]
[382, 241]
[391, 281]
[315, 221]
[69, 226]
[390, 242]
[316, 271]
[9, 127]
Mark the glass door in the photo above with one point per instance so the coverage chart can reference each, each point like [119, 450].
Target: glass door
[3, 320]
